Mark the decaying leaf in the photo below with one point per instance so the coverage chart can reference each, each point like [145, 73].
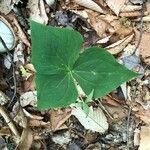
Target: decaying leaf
[95, 121]
[37, 11]
[144, 138]
[128, 8]
[5, 131]
[62, 139]
[100, 25]
[91, 5]
[58, 118]
[28, 98]
[116, 5]
[144, 49]
[117, 47]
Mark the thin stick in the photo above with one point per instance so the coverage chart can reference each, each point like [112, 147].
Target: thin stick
[9, 122]
[128, 125]
[141, 28]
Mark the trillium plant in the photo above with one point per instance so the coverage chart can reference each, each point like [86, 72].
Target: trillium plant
[60, 67]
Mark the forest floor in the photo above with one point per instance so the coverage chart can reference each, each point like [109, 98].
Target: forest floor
[121, 27]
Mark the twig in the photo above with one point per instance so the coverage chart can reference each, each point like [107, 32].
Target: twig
[9, 122]
[13, 71]
[128, 125]
[141, 28]
[104, 109]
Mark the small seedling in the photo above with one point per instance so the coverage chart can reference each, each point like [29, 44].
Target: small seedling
[59, 64]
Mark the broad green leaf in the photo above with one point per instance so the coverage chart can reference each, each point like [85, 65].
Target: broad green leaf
[97, 69]
[54, 49]
[55, 90]
[56, 58]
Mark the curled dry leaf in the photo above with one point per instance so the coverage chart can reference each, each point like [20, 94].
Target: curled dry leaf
[144, 138]
[95, 121]
[117, 47]
[7, 34]
[144, 50]
[91, 5]
[116, 5]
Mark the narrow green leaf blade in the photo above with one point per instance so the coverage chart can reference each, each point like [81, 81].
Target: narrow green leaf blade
[97, 70]
[54, 49]
[55, 91]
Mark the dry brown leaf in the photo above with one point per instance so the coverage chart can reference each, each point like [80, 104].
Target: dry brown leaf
[132, 14]
[26, 139]
[116, 5]
[58, 118]
[20, 33]
[100, 25]
[117, 47]
[37, 123]
[37, 11]
[91, 5]
[128, 8]
[136, 137]
[144, 49]
[5, 131]
[145, 138]
[111, 101]
[144, 115]
[117, 112]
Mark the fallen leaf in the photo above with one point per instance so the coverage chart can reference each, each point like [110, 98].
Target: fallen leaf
[100, 25]
[20, 32]
[91, 5]
[144, 50]
[144, 138]
[28, 98]
[18, 54]
[26, 139]
[116, 5]
[5, 131]
[95, 121]
[62, 139]
[144, 115]
[128, 8]
[37, 11]
[117, 47]
[58, 118]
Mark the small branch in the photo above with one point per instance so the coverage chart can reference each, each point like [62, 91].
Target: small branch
[141, 28]
[9, 122]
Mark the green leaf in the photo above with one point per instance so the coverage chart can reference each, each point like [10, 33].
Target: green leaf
[97, 69]
[53, 49]
[56, 58]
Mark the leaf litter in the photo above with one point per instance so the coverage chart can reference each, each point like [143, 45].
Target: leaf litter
[104, 24]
